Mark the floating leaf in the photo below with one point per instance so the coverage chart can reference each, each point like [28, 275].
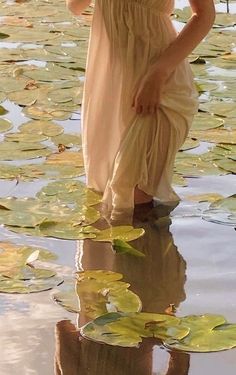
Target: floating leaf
[127, 330]
[3, 110]
[46, 128]
[25, 137]
[123, 233]
[5, 125]
[68, 230]
[189, 144]
[66, 158]
[19, 151]
[222, 211]
[16, 262]
[69, 192]
[68, 140]
[211, 197]
[28, 286]
[208, 333]
[99, 292]
[215, 135]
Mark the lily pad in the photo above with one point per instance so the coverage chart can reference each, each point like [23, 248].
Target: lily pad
[99, 292]
[222, 211]
[123, 233]
[69, 191]
[128, 330]
[5, 125]
[208, 333]
[68, 140]
[46, 128]
[28, 286]
[70, 158]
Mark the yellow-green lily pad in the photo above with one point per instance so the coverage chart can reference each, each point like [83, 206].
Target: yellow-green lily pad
[5, 125]
[99, 292]
[208, 333]
[125, 233]
[128, 329]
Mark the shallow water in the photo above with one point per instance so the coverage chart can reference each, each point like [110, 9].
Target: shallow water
[189, 262]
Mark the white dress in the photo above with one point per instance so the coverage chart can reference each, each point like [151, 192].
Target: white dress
[121, 148]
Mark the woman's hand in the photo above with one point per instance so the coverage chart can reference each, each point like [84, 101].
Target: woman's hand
[147, 99]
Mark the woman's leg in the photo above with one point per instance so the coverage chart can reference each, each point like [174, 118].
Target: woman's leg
[141, 197]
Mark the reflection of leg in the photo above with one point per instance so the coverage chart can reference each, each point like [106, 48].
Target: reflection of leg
[179, 364]
[67, 349]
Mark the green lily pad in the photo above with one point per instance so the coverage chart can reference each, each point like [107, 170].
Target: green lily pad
[69, 191]
[30, 212]
[20, 151]
[208, 333]
[99, 292]
[123, 233]
[215, 135]
[16, 262]
[67, 230]
[196, 166]
[46, 128]
[3, 111]
[5, 125]
[128, 330]
[52, 172]
[25, 137]
[28, 286]
[205, 121]
[222, 211]
[189, 144]
[228, 165]
[68, 140]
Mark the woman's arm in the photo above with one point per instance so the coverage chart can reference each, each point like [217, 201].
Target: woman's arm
[147, 98]
[77, 6]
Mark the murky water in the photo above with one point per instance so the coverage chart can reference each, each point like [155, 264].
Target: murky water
[189, 262]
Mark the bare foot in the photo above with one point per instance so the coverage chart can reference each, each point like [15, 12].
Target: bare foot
[141, 197]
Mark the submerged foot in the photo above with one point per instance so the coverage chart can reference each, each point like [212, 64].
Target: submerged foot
[140, 197]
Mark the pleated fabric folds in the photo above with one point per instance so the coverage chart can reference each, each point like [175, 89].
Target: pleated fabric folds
[121, 148]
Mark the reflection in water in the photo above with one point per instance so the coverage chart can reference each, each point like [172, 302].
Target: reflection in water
[158, 279]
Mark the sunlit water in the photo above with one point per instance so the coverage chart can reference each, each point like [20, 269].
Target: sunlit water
[189, 262]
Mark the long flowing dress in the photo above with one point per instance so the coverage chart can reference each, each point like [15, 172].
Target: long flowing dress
[121, 148]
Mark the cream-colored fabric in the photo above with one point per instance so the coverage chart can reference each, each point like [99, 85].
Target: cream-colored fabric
[121, 148]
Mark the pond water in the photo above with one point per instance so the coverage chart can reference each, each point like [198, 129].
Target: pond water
[189, 262]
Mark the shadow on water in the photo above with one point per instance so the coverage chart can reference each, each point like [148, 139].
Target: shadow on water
[158, 279]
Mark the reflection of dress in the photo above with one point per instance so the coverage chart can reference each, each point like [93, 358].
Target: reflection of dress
[158, 279]
[122, 149]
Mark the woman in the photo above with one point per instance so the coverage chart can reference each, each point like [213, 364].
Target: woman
[139, 97]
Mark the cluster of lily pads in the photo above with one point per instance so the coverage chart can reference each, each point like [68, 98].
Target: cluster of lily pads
[18, 273]
[115, 317]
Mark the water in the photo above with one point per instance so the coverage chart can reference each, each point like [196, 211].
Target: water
[189, 262]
